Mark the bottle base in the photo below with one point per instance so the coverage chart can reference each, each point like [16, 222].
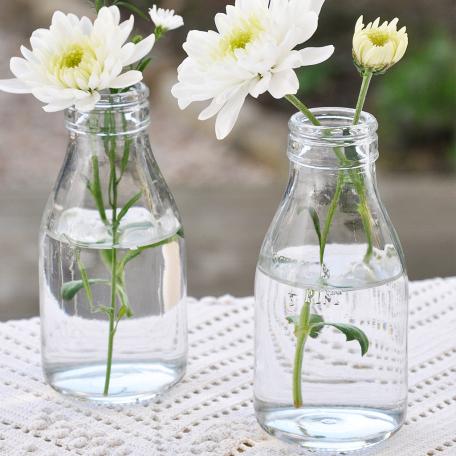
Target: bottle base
[129, 382]
[333, 430]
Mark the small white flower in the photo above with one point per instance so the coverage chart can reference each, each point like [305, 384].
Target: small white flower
[378, 47]
[73, 60]
[251, 52]
[165, 19]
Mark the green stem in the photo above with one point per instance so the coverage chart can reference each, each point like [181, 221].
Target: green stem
[297, 103]
[113, 183]
[303, 333]
[367, 77]
[112, 315]
[331, 212]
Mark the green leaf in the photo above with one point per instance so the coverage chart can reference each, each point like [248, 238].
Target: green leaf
[122, 312]
[316, 222]
[85, 279]
[353, 333]
[95, 189]
[316, 324]
[106, 257]
[134, 253]
[128, 206]
[133, 8]
[294, 320]
[130, 256]
[125, 309]
[70, 289]
[126, 155]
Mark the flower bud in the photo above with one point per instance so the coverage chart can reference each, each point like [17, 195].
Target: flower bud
[376, 48]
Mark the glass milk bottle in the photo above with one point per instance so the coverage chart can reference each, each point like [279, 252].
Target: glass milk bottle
[112, 261]
[331, 296]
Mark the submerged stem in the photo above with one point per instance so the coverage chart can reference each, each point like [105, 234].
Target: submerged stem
[113, 183]
[112, 329]
[331, 213]
[303, 333]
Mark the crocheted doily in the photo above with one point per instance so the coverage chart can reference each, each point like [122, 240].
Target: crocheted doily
[210, 412]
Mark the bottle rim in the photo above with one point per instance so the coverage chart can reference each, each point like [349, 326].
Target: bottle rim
[133, 105]
[336, 126]
[309, 143]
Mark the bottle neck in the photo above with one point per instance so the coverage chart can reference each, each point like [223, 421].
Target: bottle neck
[335, 144]
[115, 115]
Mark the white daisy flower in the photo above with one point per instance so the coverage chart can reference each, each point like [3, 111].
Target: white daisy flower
[73, 60]
[165, 19]
[252, 52]
[378, 47]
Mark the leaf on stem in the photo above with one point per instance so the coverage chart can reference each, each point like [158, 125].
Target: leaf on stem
[316, 222]
[125, 157]
[95, 189]
[131, 202]
[294, 320]
[134, 253]
[70, 289]
[85, 279]
[133, 8]
[353, 333]
[316, 324]
[106, 257]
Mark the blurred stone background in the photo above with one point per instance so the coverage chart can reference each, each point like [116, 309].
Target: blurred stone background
[228, 191]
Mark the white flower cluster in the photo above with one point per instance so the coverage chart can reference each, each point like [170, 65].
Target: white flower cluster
[252, 52]
[165, 19]
[73, 60]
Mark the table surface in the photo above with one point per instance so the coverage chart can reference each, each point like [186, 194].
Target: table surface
[210, 412]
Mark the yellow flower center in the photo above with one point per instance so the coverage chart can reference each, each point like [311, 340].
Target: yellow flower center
[239, 40]
[241, 36]
[378, 38]
[72, 58]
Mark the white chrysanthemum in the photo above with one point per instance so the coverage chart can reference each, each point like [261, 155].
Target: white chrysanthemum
[165, 19]
[378, 47]
[251, 52]
[73, 60]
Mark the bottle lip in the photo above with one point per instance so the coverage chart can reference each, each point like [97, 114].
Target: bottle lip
[337, 127]
[137, 94]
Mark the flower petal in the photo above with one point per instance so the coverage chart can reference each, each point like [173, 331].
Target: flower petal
[213, 109]
[18, 66]
[314, 55]
[88, 103]
[315, 5]
[284, 83]
[141, 50]
[58, 106]
[127, 79]
[230, 112]
[14, 86]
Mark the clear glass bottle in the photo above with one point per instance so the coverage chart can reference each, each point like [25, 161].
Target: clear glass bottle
[112, 261]
[331, 296]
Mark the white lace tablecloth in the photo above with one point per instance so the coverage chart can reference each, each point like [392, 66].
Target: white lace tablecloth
[210, 412]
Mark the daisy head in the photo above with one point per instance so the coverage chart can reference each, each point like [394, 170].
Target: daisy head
[251, 52]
